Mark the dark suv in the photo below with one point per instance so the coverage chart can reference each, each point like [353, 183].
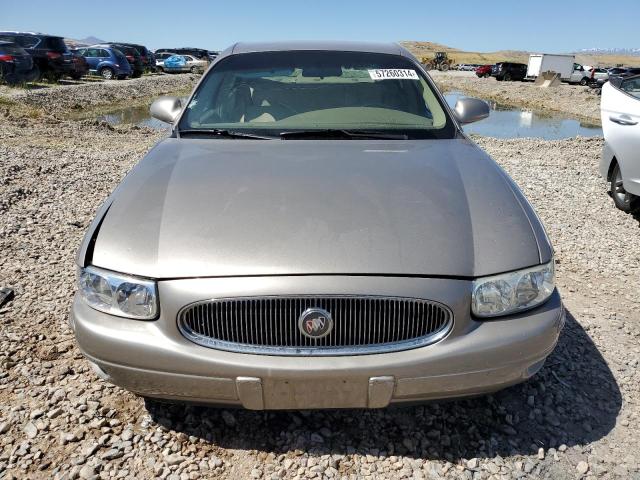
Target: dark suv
[51, 58]
[133, 56]
[15, 63]
[509, 71]
[146, 55]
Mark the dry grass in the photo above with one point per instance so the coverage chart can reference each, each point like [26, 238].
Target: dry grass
[427, 49]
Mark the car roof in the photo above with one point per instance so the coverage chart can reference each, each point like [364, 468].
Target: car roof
[36, 34]
[250, 47]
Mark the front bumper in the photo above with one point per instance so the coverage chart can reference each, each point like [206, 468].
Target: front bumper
[153, 359]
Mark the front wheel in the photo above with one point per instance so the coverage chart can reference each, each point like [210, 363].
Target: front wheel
[507, 77]
[584, 81]
[194, 69]
[444, 67]
[106, 73]
[622, 199]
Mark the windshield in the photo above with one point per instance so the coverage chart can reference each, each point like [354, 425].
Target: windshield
[270, 93]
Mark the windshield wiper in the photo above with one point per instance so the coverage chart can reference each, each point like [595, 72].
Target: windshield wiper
[340, 135]
[220, 132]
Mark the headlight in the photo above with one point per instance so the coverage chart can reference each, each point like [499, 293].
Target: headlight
[118, 294]
[512, 292]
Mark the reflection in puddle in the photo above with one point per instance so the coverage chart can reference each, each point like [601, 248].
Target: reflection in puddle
[511, 122]
[504, 122]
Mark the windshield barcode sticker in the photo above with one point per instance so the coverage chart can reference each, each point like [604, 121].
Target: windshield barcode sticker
[393, 74]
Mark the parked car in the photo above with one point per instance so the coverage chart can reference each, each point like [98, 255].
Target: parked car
[160, 58]
[580, 75]
[620, 163]
[80, 65]
[133, 57]
[51, 58]
[16, 64]
[184, 63]
[310, 238]
[597, 74]
[194, 52]
[146, 56]
[509, 71]
[484, 71]
[106, 61]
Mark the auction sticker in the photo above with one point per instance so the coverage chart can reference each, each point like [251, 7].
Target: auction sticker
[393, 74]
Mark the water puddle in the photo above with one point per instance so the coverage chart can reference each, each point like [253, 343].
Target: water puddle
[134, 116]
[513, 122]
[504, 122]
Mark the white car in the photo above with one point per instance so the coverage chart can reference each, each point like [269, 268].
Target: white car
[620, 163]
[580, 74]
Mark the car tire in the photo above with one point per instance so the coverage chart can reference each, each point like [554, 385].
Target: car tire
[507, 77]
[584, 82]
[445, 67]
[136, 74]
[76, 76]
[52, 77]
[487, 75]
[622, 199]
[34, 75]
[107, 73]
[194, 70]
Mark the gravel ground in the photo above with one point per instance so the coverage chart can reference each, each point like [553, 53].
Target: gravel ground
[579, 417]
[573, 100]
[56, 99]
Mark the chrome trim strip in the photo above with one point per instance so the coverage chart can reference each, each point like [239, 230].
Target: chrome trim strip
[322, 349]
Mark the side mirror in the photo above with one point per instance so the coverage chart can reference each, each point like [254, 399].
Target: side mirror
[166, 109]
[469, 110]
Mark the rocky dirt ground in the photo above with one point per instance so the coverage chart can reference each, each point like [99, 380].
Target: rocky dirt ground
[572, 100]
[578, 418]
[75, 98]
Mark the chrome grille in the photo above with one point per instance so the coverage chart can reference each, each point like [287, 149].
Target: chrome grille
[269, 325]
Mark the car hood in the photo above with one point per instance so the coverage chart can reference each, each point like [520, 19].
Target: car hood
[218, 207]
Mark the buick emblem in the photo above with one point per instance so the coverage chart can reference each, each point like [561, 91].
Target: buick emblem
[315, 323]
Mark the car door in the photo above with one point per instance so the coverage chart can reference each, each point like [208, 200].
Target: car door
[104, 58]
[620, 111]
[91, 54]
[577, 74]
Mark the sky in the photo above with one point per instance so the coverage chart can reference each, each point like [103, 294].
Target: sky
[551, 26]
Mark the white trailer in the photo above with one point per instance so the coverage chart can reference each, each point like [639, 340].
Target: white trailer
[545, 62]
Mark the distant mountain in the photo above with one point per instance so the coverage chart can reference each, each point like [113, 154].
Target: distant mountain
[72, 42]
[634, 52]
[91, 40]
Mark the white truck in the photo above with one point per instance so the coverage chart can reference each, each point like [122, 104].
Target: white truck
[562, 64]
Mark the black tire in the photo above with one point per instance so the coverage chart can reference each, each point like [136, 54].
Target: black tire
[194, 69]
[584, 81]
[52, 77]
[34, 75]
[444, 67]
[499, 79]
[76, 76]
[107, 73]
[507, 77]
[622, 199]
[136, 74]
[487, 75]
